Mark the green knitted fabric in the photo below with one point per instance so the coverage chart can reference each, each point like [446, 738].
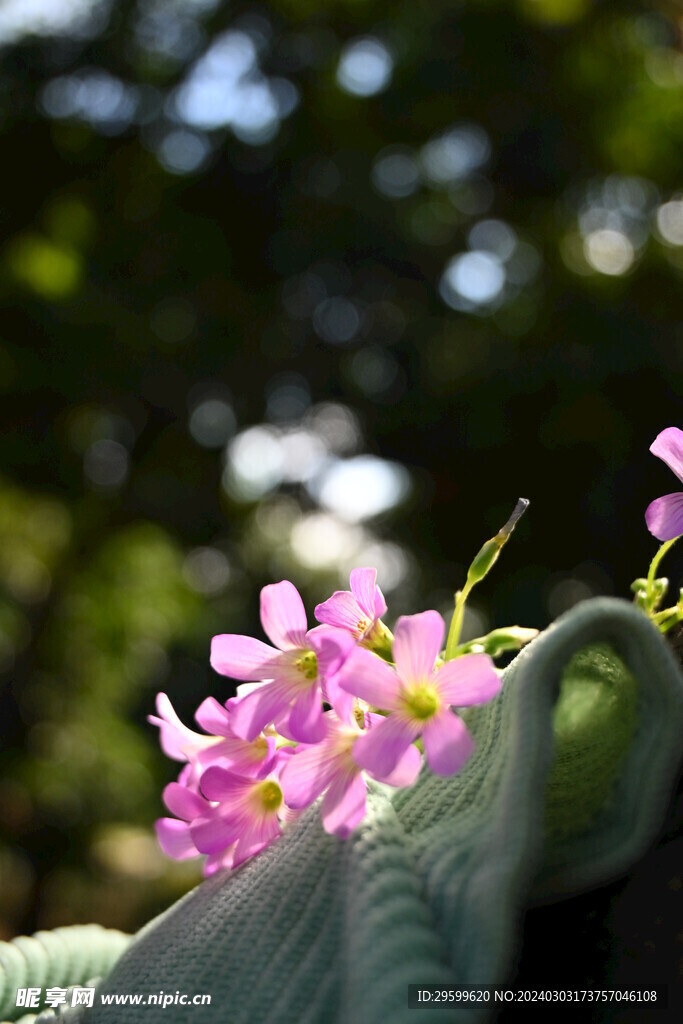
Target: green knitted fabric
[65, 956]
[573, 770]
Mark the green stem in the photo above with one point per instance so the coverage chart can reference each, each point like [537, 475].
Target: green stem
[652, 572]
[456, 622]
[667, 618]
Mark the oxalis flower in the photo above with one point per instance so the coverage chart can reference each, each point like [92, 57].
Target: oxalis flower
[418, 698]
[248, 813]
[222, 744]
[359, 610]
[183, 799]
[664, 516]
[298, 672]
[330, 767]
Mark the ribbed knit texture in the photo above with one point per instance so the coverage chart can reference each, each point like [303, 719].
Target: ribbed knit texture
[574, 767]
[65, 956]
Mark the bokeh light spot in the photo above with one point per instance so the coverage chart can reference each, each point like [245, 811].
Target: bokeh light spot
[288, 397]
[365, 67]
[472, 280]
[50, 270]
[183, 152]
[396, 173]
[454, 155]
[360, 488]
[212, 422]
[493, 236]
[77, 18]
[254, 464]
[336, 320]
[321, 541]
[609, 252]
[337, 425]
[670, 221]
[105, 464]
[207, 571]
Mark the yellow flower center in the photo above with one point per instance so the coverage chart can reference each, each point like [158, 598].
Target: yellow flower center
[361, 626]
[259, 748]
[421, 701]
[307, 664]
[269, 796]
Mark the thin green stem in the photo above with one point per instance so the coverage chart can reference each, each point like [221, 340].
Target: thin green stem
[652, 572]
[456, 622]
[667, 618]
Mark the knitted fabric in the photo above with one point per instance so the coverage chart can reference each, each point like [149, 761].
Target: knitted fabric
[574, 766]
[59, 958]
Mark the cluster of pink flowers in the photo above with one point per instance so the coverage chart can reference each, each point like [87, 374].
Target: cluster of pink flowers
[317, 714]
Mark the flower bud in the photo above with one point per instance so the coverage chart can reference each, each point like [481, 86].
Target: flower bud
[488, 554]
[478, 569]
[498, 641]
[379, 639]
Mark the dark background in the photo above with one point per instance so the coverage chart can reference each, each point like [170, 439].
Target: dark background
[225, 230]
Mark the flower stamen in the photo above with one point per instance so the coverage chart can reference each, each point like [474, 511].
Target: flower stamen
[421, 701]
[268, 796]
[307, 664]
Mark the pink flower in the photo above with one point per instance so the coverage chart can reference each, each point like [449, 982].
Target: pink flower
[297, 669]
[357, 610]
[182, 744]
[418, 698]
[174, 834]
[330, 767]
[246, 816]
[664, 516]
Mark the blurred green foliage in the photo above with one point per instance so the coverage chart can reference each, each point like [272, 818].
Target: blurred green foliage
[290, 287]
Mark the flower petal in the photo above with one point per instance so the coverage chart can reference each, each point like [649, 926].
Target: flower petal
[252, 713]
[471, 679]
[283, 615]
[183, 803]
[367, 593]
[332, 647]
[366, 675]
[340, 700]
[417, 642]
[343, 805]
[242, 657]
[211, 835]
[306, 775]
[341, 610]
[175, 839]
[176, 740]
[240, 756]
[219, 862]
[306, 722]
[406, 770]
[448, 744]
[213, 717]
[664, 516]
[668, 446]
[380, 604]
[255, 837]
[221, 784]
[379, 749]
